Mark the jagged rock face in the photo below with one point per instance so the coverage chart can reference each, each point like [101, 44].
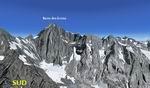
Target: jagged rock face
[4, 41]
[56, 58]
[53, 45]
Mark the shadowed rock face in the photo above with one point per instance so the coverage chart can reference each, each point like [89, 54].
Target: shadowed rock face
[60, 59]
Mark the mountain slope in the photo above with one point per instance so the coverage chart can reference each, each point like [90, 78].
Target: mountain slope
[56, 58]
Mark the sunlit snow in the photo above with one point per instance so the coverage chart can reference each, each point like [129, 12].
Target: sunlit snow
[71, 78]
[95, 86]
[101, 54]
[35, 37]
[13, 45]
[130, 49]
[2, 42]
[89, 47]
[63, 87]
[122, 44]
[146, 53]
[121, 55]
[71, 58]
[22, 57]
[30, 54]
[64, 40]
[76, 56]
[56, 72]
[25, 41]
[1, 57]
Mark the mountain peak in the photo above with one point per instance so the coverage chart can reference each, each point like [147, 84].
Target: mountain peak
[52, 25]
[2, 31]
[52, 29]
[5, 35]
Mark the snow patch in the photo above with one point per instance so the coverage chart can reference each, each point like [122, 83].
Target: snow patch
[63, 87]
[131, 40]
[2, 57]
[64, 62]
[26, 41]
[2, 42]
[13, 45]
[121, 55]
[89, 48]
[138, 45]
[71, 78]
[146, 53]
[122, 39]
[130, 49]
[72, 43]
[64, 57]
[122, 44]
[127, 84]
[76, 56]
[71, 58]
[95, 86]
[90, 41]
[35, 37]
[101, 54]
[22, 57]
[64, 40]
[25, 45]
[29, 54]
[18, 40]
[145, 43]
[135, 43]
[56, 72]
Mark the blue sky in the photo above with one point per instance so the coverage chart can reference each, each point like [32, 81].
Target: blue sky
[100, 17]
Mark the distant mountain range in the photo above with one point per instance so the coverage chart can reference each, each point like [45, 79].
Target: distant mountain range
[59, 59]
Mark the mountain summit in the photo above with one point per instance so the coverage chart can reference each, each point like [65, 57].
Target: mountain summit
[59, 59]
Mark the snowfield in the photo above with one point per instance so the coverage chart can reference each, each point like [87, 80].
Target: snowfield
[56, 72]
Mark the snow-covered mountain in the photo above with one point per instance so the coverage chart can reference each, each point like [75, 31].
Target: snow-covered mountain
[59, 59]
